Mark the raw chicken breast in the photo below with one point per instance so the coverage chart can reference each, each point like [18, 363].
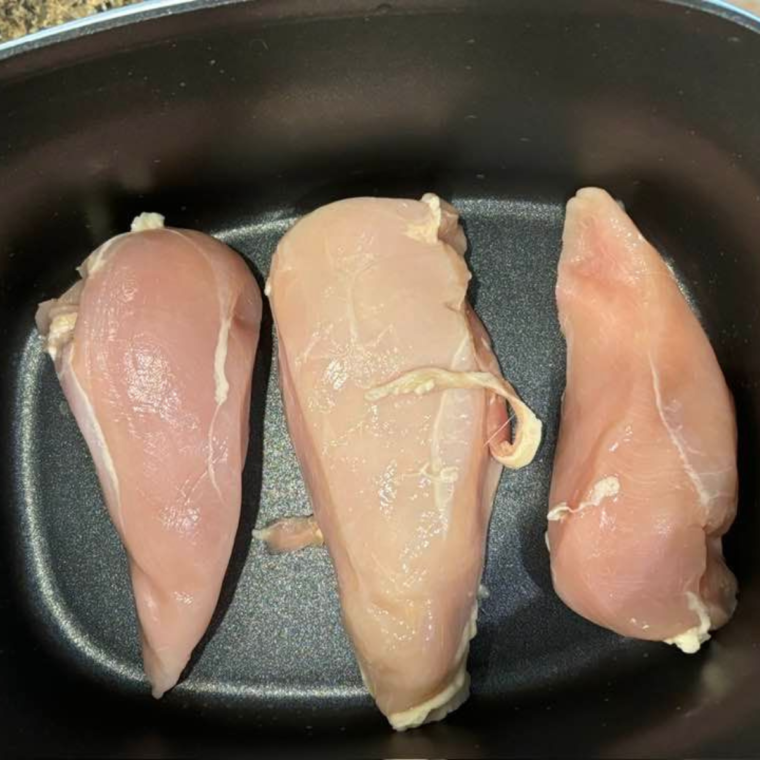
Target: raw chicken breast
[645, 481]
[154, 349]
[395, 405]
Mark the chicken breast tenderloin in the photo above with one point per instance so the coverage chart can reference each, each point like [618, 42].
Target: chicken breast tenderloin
[154, 349]
[397, 411]
[645, 480]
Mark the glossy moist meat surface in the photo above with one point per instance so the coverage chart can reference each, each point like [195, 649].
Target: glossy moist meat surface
[397, 411]
[645, 480]
[154, 348]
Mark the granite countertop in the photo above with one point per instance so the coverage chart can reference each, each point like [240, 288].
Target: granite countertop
[19, 17]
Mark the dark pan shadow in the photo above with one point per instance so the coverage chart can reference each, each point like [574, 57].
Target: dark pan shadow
[739, 555]
[534, 555]
[473, 288]
[251, 480]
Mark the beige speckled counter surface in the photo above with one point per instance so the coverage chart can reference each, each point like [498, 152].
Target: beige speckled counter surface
[19, 17]
[750, 5]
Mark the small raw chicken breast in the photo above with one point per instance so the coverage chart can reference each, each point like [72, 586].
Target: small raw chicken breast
[397, 411]
[645, 481]
[154, 349]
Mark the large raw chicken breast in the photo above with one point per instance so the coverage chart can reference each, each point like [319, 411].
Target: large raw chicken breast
[645, 481]
[396, 408]
[154, 349]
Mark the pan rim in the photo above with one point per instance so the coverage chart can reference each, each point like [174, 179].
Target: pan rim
[148, 10]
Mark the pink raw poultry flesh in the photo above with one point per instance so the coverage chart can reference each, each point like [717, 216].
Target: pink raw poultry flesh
[154, 348]
[645, 481]
[397, 411]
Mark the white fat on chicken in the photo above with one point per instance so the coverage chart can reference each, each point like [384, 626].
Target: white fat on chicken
[428, 379]
[451, 698]
[148, 220]
[290, 534]
[427, 230]
[606, 488]
[221, 384]
[690, 641]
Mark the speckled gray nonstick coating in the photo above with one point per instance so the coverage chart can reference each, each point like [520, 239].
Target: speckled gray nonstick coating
[277, 636]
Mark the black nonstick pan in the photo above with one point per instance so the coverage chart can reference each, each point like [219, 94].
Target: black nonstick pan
[237, 117]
